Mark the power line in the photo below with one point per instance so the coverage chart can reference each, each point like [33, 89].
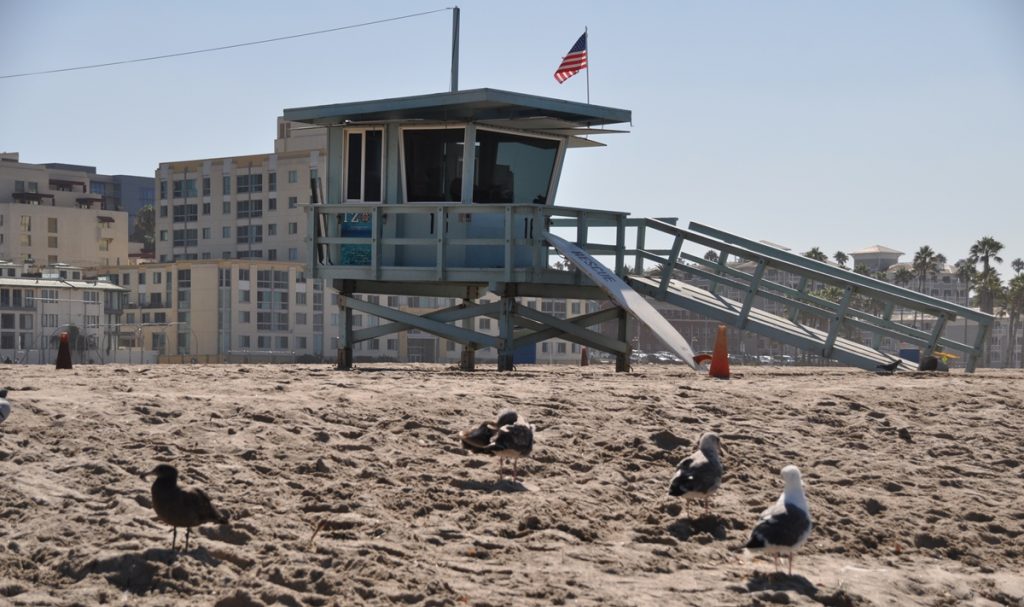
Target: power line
[223, 48]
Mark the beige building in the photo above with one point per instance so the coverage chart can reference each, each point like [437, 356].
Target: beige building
[243, 207]
[221, 311]
[49, 214]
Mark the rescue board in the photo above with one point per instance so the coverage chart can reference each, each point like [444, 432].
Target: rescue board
[624, 295]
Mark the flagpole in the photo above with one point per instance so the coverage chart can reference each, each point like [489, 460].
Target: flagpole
[588, 63]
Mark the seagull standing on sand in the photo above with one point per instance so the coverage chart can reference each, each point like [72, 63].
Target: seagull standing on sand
[180, 507]
[508, 438]
[783, 528]
[699, 475]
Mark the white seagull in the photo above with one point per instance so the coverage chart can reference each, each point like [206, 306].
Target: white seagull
[784, 527]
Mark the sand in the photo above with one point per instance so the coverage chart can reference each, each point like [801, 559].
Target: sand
[915, 483]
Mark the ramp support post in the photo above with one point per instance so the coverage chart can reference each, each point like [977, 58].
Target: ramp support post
[467, 362]
[345, 336]
[622, 359]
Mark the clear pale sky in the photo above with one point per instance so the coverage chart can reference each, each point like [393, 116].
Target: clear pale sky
[806, 123]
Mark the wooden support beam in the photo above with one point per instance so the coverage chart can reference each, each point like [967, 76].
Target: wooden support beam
[748, 301]
[837, 322]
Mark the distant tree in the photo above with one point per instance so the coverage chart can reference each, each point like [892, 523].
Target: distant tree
[816, 253]
[879, 275]
[841, 258]
[903, 277]
[985, 251]
[711, 256]
[1013, 305]
[1017, 265]
[861, 269]
[145, 228]
[926, 262]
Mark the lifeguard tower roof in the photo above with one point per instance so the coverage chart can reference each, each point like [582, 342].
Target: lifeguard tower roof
[492, 106]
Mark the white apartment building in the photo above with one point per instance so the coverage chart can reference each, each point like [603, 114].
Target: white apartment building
[51, 214]
[35, 310]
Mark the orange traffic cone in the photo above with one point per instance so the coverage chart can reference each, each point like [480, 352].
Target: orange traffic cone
[64, 352]
[720, 356]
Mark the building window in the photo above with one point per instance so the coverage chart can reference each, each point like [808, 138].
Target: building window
[271, 254]
[206, 233]
[293, 176]
[293, 202]
[272, 229]
[26, 223]
[293, 227]
[206, 208]
[163, 210]
[163, 189]
[293, 254]
[163, 235]
[225, 232]
[300, 299]
[226, 207]
[300, 318]
[186, 212]
[248, 183]
[248, 234]
[51, 225]
[272, 204]
[271, 182]
[249, 208]
[206, 186]
[226, 185]
[51, 242]
[245, 316]
[243, 295]
[244, 341]
[183, 188]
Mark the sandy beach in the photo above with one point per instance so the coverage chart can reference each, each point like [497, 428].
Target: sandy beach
[915, 484]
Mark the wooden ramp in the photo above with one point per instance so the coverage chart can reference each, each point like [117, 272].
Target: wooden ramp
[775, 327]
[815, 313]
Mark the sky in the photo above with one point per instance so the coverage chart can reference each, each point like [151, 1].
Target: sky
[839, 125]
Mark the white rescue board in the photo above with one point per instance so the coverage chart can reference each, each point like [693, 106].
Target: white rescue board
[624, 295]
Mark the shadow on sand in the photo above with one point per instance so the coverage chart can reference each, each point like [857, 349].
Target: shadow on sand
[505, 485]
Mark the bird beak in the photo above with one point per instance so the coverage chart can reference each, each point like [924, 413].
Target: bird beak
[145, 474]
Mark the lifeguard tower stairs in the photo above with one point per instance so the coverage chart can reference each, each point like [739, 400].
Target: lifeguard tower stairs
[451, 195]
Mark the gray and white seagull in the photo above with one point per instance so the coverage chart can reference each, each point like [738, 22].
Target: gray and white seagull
[784, 527]
[509, 438]
[699, 475]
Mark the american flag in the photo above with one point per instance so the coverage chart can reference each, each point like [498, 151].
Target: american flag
[575, 61]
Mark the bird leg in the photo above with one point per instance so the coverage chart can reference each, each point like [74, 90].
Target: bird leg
[188, 531]
[501, 469]
[515, 469]
[174, 538]
[775, 558]
[791, 565]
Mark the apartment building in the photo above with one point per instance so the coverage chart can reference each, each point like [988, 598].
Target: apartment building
[58, 213]
[36, 308]
[242, 207]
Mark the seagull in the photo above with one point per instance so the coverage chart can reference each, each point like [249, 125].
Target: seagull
[699, 475]
[477, 440]
[508, 438]
[784, 527]
[888, 368]
[180, 507]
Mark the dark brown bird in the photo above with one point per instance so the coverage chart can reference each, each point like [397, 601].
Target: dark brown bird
[180, 507]
[508, 438]
[478, 439]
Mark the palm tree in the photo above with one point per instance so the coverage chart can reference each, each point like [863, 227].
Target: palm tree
[1013, 304]
[841, 258]
[862, 269]
[985, 251]
[711, 256]
[926, 261]
[1017, 265]
[902, 278]
[817, 254]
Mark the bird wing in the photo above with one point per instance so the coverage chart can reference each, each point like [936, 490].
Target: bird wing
[516, 437]
[696, 473]
[477, 439]
[205, 512]
[782, 525]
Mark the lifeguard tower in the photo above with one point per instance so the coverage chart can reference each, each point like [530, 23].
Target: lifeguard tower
[452, 195]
